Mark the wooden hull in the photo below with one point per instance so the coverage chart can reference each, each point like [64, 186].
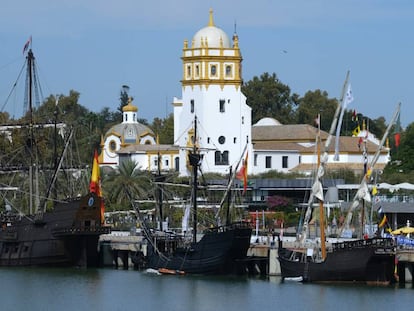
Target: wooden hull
[368, 261]
[66, 236]
[220, 251]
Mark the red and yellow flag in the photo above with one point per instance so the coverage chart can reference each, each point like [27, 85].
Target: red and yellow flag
[95, 183]
[242, 173]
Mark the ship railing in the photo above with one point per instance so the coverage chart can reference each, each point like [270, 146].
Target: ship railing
[373, 242]
[81, 230]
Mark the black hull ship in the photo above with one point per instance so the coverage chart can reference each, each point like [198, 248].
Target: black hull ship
[56, 231]
[66, 236]
[220, 250]
[367, 261]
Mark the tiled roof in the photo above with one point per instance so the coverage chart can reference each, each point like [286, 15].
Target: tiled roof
[301, 138]
[302, 167]
[289, 132]
[148, 148]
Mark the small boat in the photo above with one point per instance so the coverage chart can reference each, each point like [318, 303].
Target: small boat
[169, 271]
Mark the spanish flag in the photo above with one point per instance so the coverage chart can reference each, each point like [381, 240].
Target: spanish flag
[95, 183]
[242, 173]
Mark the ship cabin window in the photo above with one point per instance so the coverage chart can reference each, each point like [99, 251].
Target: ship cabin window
[222, 105]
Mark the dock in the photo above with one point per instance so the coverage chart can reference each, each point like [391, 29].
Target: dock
[119, 248]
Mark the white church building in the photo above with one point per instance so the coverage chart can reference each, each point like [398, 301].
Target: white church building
[212, 98]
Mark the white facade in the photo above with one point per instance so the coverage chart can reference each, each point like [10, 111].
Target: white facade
[129, 132]
[281, 161]
[211, 93]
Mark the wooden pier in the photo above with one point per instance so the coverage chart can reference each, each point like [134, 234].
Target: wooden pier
[405, 265]
[118, 249]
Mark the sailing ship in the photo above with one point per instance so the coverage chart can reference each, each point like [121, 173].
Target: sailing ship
[369, 260]
[222, 249]
[63, 233]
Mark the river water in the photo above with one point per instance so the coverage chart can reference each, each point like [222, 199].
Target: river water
[111, 289]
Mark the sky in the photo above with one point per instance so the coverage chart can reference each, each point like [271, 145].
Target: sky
[96, 46]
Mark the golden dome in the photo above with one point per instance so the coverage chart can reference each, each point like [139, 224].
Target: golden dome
[129, 106]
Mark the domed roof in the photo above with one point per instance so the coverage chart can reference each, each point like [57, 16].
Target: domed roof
[267, 122]
[124, 129]
[129, 106]
[212, 35]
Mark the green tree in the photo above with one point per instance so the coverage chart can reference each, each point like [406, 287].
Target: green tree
[314, 103]
[4, 117]
[164, 128]
[123, 98]
[402, 165]
[268, 97]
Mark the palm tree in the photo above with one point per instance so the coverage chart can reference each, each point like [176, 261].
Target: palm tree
[126, 179]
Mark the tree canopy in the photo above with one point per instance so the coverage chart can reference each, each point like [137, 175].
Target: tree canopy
[268, 97]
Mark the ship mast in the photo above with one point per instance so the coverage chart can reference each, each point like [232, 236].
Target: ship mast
[321, 207]
[30, 64]
[194, 159]
[317, 190]
[363, 192]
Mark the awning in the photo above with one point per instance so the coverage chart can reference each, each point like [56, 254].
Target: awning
[403, 230]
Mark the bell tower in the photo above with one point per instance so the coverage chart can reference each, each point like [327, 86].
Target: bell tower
[211, 93]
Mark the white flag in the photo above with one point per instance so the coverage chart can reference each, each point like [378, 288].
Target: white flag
[347, 100]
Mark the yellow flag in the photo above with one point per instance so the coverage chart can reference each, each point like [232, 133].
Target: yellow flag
[356, 131]
[383, 221]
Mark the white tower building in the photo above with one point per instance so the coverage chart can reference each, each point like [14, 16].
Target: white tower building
[211, 92]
